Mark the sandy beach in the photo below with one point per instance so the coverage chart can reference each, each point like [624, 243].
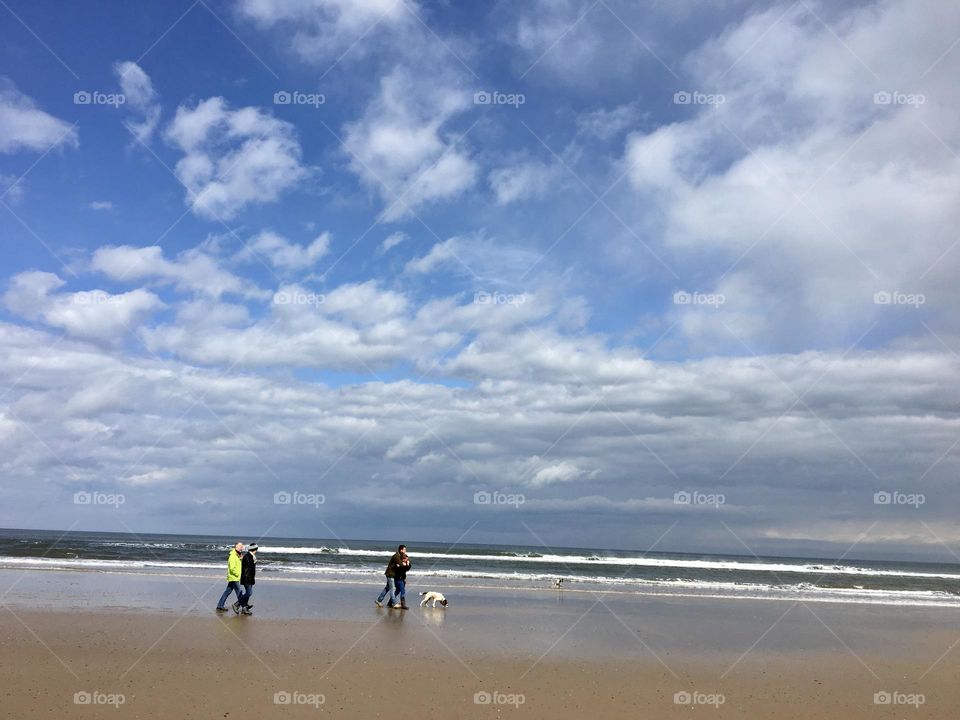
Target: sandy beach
[324, 649]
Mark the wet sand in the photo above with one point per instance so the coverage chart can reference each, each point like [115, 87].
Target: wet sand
[328, 651]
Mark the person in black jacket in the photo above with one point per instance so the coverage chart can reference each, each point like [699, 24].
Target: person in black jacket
[400, 578]
[248, 578]
[390, 587]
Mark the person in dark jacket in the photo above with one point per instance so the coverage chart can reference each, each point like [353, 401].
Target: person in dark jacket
[390, 572]
[248, 578]
[400, 578]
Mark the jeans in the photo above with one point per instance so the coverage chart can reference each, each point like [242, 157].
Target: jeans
[389, 589]
[232, 586]
[247, 594]
[401, 588]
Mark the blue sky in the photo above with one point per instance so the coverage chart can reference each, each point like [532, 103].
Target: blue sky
[397, 253]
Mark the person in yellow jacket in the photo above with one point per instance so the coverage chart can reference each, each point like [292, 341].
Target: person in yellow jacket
[234, 565]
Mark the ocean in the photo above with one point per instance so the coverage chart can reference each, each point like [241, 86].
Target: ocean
[512, 567]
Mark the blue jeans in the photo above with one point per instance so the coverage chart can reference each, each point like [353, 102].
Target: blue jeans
[401, 589]
[232, 586]
[247, 594]
[389, 589]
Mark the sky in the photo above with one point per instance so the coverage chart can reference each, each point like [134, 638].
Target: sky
[666, 275]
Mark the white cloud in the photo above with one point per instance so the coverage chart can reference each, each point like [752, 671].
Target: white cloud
[807, 195]
[283, 254]
[103, 205]
[481, 259]
[323, 29]
[11, 188]
[441, 254]
[140, 97]
[233, 158]
[399, 146]
[392, 240]
[192, 270]
[542, 473]
[94, 314]
[24, 126]
[524, 180]
[442, 444]
[607, 123]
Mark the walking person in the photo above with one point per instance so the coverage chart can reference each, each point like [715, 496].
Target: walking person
[390, 572]
[233, 576]
[248, 578]
[400, 578]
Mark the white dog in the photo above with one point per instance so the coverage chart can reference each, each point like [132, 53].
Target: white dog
[435, 596]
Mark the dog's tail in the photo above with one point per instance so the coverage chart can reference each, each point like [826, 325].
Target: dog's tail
[423, 593]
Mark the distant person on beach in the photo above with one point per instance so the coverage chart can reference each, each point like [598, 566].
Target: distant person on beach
[234, 566]
[400, 578]
[248, 577]
[390, 588]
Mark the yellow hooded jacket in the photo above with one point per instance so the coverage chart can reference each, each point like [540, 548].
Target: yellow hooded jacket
[234, 565]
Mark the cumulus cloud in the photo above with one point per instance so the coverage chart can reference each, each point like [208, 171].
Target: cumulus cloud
[193, 270]
[94, 315]
[420, 389]
[24, 126]
[400, 147]
[809, 194]
[233, 158]
[633, 432]
[283, 254]
[524, 180]
[140, 97]
[322, 29]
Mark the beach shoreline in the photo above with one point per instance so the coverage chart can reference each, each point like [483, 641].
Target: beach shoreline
[102, 637]
[400, 665]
